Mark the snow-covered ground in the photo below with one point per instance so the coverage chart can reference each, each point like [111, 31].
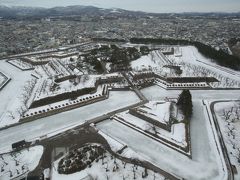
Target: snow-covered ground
[176, 136]
[154, 60]
[156, 110]
[19, 163]
[204, 163]
[66, 120]
[50, 89]
[53, 69]
[107, 170]
[21, 64]
[117, 145]
[11, 94]
[191, 55]
[228, 116]
[192, 64]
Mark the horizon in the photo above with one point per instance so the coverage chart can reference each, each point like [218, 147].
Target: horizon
[150, 6]
[200, 12]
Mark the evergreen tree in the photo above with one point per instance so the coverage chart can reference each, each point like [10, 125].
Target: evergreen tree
[185, 103]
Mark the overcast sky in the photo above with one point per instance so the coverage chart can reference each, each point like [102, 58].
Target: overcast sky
[143, 5]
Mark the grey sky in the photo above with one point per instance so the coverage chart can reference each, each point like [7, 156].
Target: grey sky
[143, 5]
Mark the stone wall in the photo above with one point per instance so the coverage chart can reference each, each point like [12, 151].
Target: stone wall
[62, 109]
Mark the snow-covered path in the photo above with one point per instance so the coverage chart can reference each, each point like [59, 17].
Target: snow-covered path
[51, 124]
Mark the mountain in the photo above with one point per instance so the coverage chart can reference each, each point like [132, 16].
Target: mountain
[36, 12]
[16, 12]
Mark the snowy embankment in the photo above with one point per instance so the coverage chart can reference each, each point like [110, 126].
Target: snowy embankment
[228, 116]
[21, 64]
[190, 54]
[17, 164]
[3, 80]
[166, 113]
[117, 145]
[176, 136]
[195, 64]
[156, 110]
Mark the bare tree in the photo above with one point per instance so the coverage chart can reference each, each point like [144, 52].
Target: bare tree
[226, 115]
[107, 176]
[237, 113]
[2, 168]
[10, 114]
[238, 155]
[11, 174]
[233, 144]
[154, 129]
[231, 131]
[106, 168]
[20, 111]
[154, 176]
[16, 162]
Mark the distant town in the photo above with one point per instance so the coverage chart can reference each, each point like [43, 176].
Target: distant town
[32, 33]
